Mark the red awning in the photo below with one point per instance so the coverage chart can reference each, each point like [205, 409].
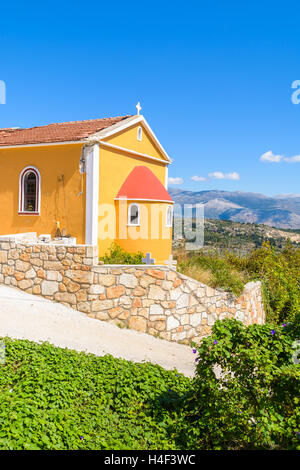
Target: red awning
[142, 184]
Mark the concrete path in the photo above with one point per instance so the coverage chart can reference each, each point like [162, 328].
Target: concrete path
[25, 316]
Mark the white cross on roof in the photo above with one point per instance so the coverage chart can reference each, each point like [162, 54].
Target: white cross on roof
[138, 107]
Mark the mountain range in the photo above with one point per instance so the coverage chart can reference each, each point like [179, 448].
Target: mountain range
[282, 211]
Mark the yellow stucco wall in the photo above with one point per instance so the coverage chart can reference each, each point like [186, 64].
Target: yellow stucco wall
[118, 165]
[59, 196]
[151, 235]
[128, 139]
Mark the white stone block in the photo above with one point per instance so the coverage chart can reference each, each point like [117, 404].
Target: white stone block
[156, 309]
[175, 293]
[49, 287]
[172, 323]
[183, 301]
[195, 319]
[128, 280]
[96, 289]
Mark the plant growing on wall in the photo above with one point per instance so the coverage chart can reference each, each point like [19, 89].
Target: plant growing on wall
[117, 255]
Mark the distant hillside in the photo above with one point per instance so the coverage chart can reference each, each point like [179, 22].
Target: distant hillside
[241, 238]
[282, 211]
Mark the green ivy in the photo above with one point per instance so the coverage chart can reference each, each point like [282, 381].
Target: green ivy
[52, 398]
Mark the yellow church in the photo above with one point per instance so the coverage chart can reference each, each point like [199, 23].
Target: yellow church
[97, 181]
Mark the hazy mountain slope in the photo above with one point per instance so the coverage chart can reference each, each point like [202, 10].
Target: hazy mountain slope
[280, 211]
[241, 238]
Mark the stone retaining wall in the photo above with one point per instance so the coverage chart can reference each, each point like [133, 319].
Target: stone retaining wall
[152, 299]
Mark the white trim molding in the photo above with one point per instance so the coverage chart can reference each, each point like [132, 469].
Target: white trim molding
[156, 140]
[30, 169]
[92, 194]
[132, 152]
[140, 199]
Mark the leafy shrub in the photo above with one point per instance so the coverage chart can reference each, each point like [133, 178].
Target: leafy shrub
[254, 404]
[117, 255]
[52, 398]
[279, 272]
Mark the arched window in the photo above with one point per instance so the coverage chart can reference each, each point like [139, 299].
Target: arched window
[29, 191]
[139, 134]
[134, 214]
[169, 216]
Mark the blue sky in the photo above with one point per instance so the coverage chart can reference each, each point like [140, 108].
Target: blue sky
[214, 80]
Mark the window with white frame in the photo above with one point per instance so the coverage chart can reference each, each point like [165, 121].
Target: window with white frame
[139, 134]
[169, 216]
[134, 214]
[29, 191]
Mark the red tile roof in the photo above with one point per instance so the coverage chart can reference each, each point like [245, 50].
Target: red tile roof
[141, 183]
[60, 132]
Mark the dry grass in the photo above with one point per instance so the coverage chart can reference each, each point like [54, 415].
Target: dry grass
[204, 276]
[212, 270]
[193, 271]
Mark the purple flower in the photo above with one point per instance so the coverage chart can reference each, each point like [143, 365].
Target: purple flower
[284, 324]
[194, 351]
[81, 438]
[197, 359]
[215, 341]
[273, 332]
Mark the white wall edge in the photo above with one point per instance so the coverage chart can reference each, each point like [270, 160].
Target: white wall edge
[92, 195]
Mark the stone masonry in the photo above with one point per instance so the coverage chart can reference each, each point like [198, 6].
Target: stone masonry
[153, 299]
